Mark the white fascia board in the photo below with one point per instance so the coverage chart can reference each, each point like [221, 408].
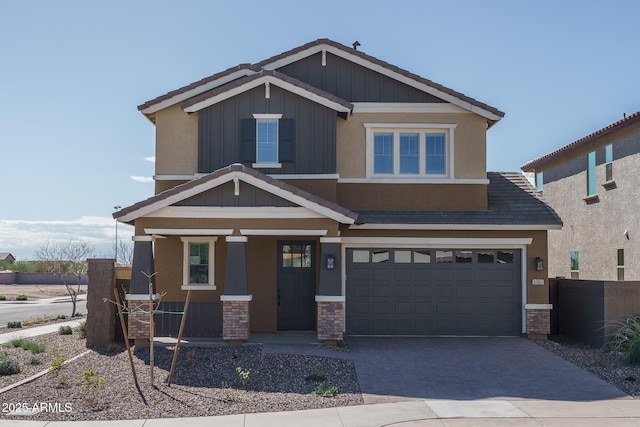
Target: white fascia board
[168, 177]
[240, 298]
[386, 72]
[282, 232]
[198, 90]
[407, 107]
[422, 180]
[274, 81]
[189, 231]
[538, 306]
[330, 298]
[489, 227]
[305, 176]
[453, 242]
[214, 212]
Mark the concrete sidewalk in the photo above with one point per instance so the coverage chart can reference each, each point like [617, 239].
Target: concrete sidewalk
[404, 414]
[38, 330]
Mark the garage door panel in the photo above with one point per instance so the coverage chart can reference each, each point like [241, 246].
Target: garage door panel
[437, 292]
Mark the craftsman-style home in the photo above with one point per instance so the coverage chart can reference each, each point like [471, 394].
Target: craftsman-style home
[325, 190]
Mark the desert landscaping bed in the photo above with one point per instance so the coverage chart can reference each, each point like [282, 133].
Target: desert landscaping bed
[206, 382]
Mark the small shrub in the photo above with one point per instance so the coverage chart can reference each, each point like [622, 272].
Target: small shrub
[21, 298]
[60, 317]
[65, 330]
[633, 354]
[630, 378]
[25, 344]
[627, 334]
[9, 367]
[82, 329]
[35, 360]
[326, 392]
[56, 370]
[318, 378]
[14, 325]
[3, 298]
[244, 375]
[91, 382]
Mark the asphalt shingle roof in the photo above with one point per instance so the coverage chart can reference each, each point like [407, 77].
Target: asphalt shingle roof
[512, 201]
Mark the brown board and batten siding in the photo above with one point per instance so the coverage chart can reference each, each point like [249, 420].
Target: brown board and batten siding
[314, 131]
[353, 82]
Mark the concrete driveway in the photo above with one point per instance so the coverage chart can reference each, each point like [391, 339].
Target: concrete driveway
[397, 369]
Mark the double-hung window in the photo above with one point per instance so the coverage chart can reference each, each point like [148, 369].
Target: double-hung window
[575, 265]
[267, 140]
[198, 262]
[539, 181]
[407, 150]
[591, 173]
[608, 159]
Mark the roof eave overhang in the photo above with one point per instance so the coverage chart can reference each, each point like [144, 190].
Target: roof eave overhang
[479, 227]
[129, 215]
[192, 108]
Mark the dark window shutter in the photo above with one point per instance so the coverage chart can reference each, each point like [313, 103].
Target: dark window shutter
[286, 134]
[248, 140]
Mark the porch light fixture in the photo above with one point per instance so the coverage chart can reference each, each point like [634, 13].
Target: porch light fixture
[331, 262]
[539, 263]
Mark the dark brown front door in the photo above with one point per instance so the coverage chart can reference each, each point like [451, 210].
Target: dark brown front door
[296, 285]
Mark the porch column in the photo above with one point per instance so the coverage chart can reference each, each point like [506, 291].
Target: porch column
[236, 298]
[138, 297]
[330, 301]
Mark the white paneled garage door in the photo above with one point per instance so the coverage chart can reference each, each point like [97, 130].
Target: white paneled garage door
[433, 292]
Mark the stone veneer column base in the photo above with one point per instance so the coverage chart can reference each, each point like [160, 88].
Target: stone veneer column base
[538, 323]
[235, 318]
[330, 321]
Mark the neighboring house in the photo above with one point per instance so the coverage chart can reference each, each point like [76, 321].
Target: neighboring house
[7, 257]
[326, 190]
[593, 185]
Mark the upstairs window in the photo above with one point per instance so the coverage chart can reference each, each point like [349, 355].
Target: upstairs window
[608, 159]
[591, 173]
[539, 181]
[620, 264]
[267, 140]
[409, 150]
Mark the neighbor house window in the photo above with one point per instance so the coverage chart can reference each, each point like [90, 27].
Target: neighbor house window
[620, 264]
[591, 173]
[198, 262]
[575, 264]
[539, 181]
[409, 150]
[608, 159]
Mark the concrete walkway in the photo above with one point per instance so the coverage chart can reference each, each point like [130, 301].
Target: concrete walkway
[540, 389]
[38, 330]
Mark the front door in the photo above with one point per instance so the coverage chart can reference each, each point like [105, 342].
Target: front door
[296, 286]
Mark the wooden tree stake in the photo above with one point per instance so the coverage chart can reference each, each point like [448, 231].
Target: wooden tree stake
[177, 349]
[126, 335]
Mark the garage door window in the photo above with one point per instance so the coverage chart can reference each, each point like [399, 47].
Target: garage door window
[505, 257]
[380, 256]
[361, 256]
[444, 257]
[402, 257]
[463, 257]
[486, 257]
[422, 257]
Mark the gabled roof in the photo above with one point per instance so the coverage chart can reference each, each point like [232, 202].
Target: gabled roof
[285, 58]
[229, 173]
[513, 204]
[614, 127]
[266, 76]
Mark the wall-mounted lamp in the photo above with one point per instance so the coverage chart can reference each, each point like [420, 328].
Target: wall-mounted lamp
[331, 262]
[539, 263]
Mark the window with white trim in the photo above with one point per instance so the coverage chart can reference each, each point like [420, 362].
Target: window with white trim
[575, 265]
[198, 262]
[608, 159]
[406, 150]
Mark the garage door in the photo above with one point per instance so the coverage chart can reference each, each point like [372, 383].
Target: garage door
[433, 292]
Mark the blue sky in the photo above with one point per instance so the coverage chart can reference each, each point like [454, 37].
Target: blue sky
[73, 145]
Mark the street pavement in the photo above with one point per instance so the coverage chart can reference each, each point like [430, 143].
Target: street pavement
[12, 311]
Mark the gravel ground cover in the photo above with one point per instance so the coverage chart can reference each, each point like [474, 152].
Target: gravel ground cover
[608, 366]
[205, 383]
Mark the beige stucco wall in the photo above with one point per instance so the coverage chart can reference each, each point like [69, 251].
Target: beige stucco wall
[469, 141]
[176, 141]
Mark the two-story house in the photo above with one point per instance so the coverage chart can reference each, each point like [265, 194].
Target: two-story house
[593, 185]
[326, 190]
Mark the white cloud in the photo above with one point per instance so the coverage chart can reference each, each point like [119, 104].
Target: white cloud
[141, 178]
[23, 238]
[151, 159]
